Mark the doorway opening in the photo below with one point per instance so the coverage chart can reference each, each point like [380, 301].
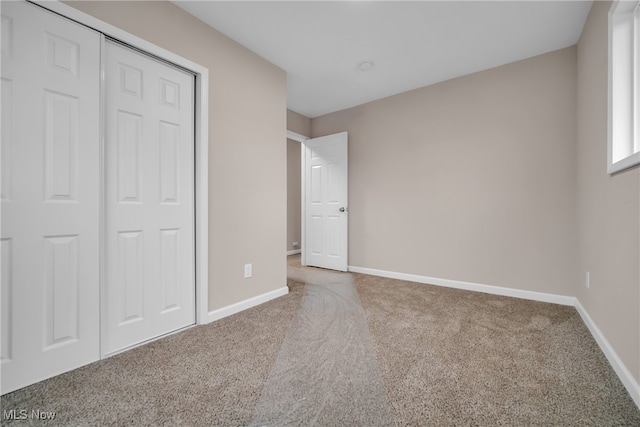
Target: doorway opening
[324, 199]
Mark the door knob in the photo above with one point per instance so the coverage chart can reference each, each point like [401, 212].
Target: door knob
[343, 209]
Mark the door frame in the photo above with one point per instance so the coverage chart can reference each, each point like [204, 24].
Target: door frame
[302, 140]
[201, 149]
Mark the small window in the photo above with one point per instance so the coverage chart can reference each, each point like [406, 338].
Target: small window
[624, 85]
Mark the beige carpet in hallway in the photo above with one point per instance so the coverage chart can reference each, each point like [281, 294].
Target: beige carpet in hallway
[443, 356]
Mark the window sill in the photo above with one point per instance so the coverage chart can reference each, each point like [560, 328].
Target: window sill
[626, 163]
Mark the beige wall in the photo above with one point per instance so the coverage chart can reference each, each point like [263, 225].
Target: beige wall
[609, 207]
[247, 154]
[298, 123]
[472, 179]
[302, 125]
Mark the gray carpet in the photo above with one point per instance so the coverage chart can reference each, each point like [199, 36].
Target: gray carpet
[326, 372]
[451, 357]
[444, 357]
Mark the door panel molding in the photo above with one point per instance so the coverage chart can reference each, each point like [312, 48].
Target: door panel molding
[60, 244]
[325, 202]
[149, 186]
[50, 212]
[201, 136]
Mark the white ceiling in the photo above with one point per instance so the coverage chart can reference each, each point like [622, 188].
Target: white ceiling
[320, 44]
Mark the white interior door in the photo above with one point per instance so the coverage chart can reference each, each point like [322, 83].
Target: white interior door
[149, 179]
[326, 202]
[50, 195]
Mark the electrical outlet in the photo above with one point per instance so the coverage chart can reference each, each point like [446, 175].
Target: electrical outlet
[248, 270]
[587, 279]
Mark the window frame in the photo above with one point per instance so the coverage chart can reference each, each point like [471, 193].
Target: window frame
[624, 87]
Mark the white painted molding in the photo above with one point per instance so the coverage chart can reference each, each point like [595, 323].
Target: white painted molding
[456, 284]
[246, 304]
[618, 366]
[296, 136]
[294, 252]
[116, 33]
[623, 103]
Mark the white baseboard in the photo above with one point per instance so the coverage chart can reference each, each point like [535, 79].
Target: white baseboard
[621, 370]
[243, 305]
[294, 252]
[456, 284]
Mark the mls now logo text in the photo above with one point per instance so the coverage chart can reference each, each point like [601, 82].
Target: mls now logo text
[24, 414]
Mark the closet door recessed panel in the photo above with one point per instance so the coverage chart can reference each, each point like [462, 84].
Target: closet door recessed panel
[149, 189]
[50, 195]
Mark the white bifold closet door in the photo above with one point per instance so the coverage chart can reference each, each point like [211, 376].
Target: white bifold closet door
[50, 195]
[97, 245]
[149, 143]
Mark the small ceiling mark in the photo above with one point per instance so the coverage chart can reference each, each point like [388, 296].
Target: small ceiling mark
[366, 66]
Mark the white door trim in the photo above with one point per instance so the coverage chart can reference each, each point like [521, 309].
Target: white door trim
[296, 136]
[301, 139]
[201, 138]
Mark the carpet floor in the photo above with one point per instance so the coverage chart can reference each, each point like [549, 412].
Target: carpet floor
[439, 356]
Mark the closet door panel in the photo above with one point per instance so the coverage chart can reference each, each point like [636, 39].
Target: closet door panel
[149, 187]
[50, 195]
